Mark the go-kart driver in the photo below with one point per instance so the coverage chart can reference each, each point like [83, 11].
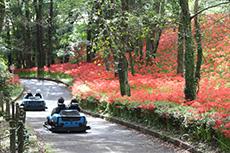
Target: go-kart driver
[74, 105]
[38, 93]
[61, 106]
[28, 94]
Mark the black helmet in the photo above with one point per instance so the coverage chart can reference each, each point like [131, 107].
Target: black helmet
[74, 101]
[61, 100]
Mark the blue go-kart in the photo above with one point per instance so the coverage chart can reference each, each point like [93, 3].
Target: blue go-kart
[68, 120]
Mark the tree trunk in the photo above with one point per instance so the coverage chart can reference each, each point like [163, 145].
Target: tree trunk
[131, 61]
[158, 32]
[89, 47]
[123, 76]
[180, 49]
[150, 40]
[190, 88]
[9, 55]
[122, 61]
[115, 59]
[149, 48]
[39, 35]
[30, 63]
[198, 39]
[89, 43]
[2, 12]
[49, 52]
[107, 63]
[198, 42]
[116, 62]
[24, 29]
[153, 38]
[140, 45]
[156, 41]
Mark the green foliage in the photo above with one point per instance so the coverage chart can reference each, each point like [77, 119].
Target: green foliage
[219, 9]
[16, 89]
[19, 31]
[4, 76]
[223, 142]
[70, 23]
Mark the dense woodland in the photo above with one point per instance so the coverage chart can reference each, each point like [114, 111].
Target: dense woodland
[185, 42]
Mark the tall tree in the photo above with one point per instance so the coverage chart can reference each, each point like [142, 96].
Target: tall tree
[9, 45]
[89, 39]
[190, 87]
[192, 74]
[93, 27]
[2, 12]
[39, 36]
[155, 29]
[49, 52]
[122, 60]
[28, 36]
[198, 43]
[180, 49]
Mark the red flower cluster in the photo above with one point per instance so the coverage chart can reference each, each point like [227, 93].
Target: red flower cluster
[147, 107]
[14, 80]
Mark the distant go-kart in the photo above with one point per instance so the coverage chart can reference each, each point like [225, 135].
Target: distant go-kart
[34, 103]
[68, 120]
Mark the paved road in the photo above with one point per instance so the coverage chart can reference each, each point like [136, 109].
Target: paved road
[104, 137]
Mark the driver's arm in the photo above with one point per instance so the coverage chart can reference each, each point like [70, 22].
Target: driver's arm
[78, 108]
[54, 111]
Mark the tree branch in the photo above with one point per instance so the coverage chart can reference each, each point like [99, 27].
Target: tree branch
[228, 2]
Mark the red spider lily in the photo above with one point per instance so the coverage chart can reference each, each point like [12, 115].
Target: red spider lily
[227, 125]
[14, 80]
[218, 124]
[226, 133]
[147, 107]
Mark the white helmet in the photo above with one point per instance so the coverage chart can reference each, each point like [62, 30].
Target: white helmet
[38, 91]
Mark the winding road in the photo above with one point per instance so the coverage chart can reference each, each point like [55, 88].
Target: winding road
[104, 136]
